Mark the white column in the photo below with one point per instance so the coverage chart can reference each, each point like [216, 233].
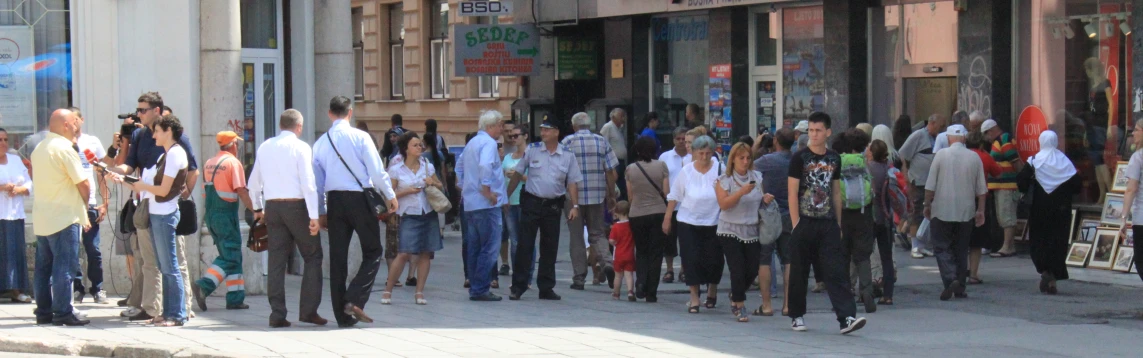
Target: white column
[333, 57]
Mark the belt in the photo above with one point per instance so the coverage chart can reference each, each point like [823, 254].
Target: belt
[290, 200]
[557, 201]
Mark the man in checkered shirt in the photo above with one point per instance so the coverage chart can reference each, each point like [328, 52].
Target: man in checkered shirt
[597, 162]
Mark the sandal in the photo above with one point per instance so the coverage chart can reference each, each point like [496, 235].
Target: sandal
[785, 312]
[171, 323]
[399, 284]
[669, 277]
[739, 314]
[999, 254]
[631, 296]
[615, 296]
[762, 312]
[885, 301]
[495, 283]
[711, 302]
[419, 298]
[693, 309]
[974, 281]
[386, 297]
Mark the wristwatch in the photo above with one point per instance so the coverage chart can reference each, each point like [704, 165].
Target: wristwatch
[575, 206]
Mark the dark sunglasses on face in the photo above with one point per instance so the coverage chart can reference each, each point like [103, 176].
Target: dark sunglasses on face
[141, 110]
[514, 136]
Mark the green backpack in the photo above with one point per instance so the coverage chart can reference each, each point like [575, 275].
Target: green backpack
[855, 182]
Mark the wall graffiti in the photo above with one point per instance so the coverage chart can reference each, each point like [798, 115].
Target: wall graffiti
[975, 94]
[234, 125]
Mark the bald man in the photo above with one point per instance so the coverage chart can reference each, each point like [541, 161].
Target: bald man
[59, 212]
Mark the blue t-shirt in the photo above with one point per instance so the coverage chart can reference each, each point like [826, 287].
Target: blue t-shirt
[648, 132]
[144, 153]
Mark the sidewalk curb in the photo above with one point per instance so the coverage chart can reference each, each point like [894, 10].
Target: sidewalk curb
[86, 348]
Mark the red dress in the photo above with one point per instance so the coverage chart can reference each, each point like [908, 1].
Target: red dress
[624, 246]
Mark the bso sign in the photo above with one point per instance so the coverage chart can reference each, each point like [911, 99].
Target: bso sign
[485, 8]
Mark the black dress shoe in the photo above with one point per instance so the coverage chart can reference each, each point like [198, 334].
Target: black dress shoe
[487, 297]
[514, 296]
[315, 319]
[141, 316]
[240, 306]
[70, 321]
[122, 303]
[652, 299]
[466, 284]
[610, 274]
[412, 281]
[350, 322]
[504, 270]
[577, 286]
[549, 295]
[279, 324]
[44, 320]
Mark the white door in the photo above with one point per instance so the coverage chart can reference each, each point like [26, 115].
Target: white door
[765, 70]
[262, 103]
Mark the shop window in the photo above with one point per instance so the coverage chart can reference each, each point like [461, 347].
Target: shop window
[358, 53]
[1074, 63]
[489, 85]
[680, 73]
[803, 63]
[396, 51]
[766, 39]
[43, 33]
[439, 49]
[259, 24]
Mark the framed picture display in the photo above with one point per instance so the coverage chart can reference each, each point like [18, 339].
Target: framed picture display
[1119, 184]
[1112, 210]
[1124, 259]
[1134, 269]
[1086, 230]
[1078, 253]
[1072, 227]
[1128, 238]
[1104, 248]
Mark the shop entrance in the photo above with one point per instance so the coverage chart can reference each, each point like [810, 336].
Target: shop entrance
[927, 96]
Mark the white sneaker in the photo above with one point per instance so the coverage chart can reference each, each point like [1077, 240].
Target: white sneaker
[101, 297]
[916, 253]
[130, 311]
[852, 324]
[77, 297]
[927, 252]
[78, 313]
[798, 325]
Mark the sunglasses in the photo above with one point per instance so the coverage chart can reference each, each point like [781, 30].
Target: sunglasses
[141, 110]
[514, 136]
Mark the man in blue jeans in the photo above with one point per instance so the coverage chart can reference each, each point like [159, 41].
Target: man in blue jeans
[59, 212]
[87, 143]
[484, 193]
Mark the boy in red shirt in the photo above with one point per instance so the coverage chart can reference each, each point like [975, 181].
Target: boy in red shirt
[624, 263]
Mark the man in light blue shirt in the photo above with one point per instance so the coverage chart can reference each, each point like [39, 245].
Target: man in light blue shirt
[346, 164]
[484, 191]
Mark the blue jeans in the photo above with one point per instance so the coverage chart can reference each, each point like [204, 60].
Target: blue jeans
[482, 235]
[13, 261]
[56, 255]
[94, 257]
[166, 255]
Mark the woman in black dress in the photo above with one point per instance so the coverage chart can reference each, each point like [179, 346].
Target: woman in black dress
[1049, 181]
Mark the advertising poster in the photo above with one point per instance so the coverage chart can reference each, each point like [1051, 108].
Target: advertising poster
[17, 82]
[720, 119]
[576, 59]
[496, 50]
[803, 61]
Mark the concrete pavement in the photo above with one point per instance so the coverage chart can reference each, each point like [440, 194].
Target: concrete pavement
[1006, 316]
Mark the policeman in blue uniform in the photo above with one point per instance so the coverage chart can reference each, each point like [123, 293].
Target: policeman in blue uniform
[551, 173]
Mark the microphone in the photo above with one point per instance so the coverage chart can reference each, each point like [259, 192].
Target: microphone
[91, 159]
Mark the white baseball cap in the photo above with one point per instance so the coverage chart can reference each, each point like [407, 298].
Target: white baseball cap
[956, 130]
[803, 126]
[988, 124]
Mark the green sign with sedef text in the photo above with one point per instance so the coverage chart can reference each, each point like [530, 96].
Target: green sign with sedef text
[497, 50]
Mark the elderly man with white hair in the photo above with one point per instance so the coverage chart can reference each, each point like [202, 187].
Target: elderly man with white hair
[597, 162]
[951, 210]
[615, 131]
[484, 191]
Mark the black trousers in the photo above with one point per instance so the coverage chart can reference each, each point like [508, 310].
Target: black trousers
[537, 214]
[857, 236]
[348, 214]
[649, 244]
[701, 254]
[743, 259]
[1138, 232]
[885, 247]
[817, 242]
[950, 246]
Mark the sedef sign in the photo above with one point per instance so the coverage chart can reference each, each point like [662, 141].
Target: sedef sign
[485, 8]
[497, 50]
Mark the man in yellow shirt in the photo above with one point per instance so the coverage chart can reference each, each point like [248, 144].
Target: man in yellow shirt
[59, 215]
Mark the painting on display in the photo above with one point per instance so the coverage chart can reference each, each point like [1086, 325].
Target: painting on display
[1112, 214]
[1119, 185]
[1077, 254]
[1124, 259]
[1104, 249]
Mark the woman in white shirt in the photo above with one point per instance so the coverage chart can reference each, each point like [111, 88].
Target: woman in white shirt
[162, 185]
[693, 191]
[420, 228]
[15, 184]
[740, 196]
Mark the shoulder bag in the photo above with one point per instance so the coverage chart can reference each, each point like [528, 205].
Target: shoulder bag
[142, 216]
[127, 216]
[373, 199]
[653, 185]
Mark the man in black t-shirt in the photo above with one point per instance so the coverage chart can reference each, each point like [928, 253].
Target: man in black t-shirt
[815, 210]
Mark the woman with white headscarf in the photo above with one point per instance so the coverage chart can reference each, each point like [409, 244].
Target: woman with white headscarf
[1050, 181]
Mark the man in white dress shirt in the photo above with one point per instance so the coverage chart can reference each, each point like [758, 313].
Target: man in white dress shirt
[283, 193]
[346, 164]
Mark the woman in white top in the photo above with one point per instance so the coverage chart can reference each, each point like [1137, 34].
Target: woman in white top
[420, 228]
[740, 196]
[693, 192]
[161, 185]
[15, 184]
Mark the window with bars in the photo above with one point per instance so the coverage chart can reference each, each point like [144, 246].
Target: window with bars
[439, 49]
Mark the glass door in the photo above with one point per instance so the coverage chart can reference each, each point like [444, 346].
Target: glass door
[766, 73]
[261, 104]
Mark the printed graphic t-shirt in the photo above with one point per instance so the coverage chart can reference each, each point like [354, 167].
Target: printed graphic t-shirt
[816, 174]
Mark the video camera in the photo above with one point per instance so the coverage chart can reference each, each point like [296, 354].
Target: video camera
[133, 116]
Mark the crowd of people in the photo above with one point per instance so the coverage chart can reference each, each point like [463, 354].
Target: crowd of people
[797, 201]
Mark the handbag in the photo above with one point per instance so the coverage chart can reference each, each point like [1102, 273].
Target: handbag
[437, 199]
[142, 217]
[259, 240]
[127, 216]
[653, 185]
[188, 218]
[372, 198]
[769, 223]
